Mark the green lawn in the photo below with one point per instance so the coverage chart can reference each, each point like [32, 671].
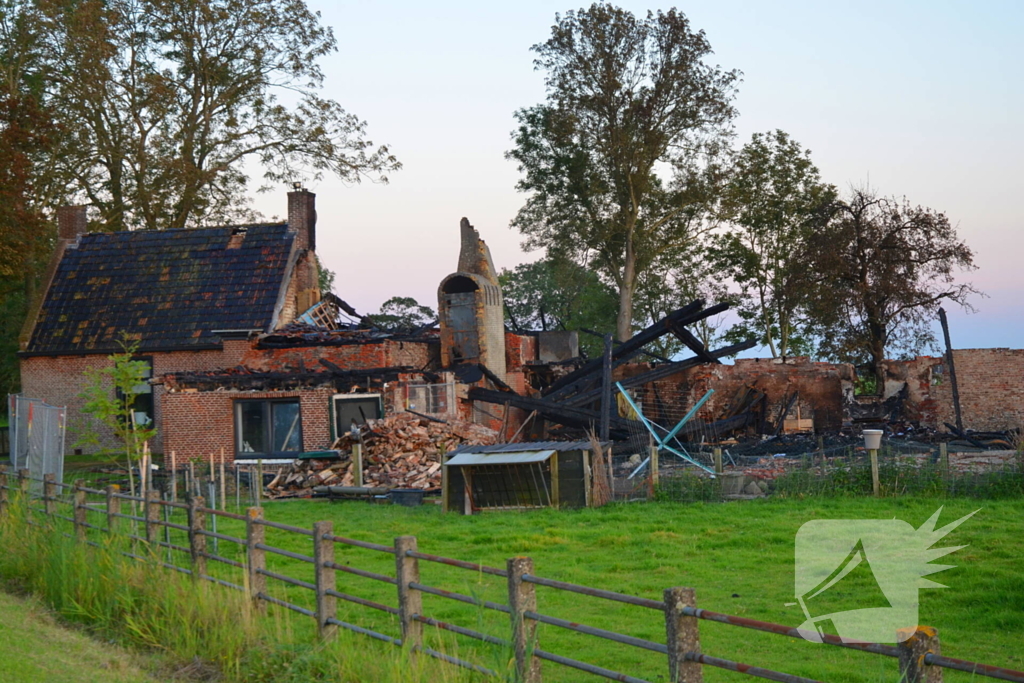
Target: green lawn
[738, 556]
[37, 650]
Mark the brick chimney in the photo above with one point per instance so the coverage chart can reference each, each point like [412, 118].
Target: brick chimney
[302, 217]
[71, 222]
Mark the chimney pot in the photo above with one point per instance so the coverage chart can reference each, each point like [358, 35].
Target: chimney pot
[71, 222]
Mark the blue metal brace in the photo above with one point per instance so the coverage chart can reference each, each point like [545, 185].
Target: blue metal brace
[663, 442]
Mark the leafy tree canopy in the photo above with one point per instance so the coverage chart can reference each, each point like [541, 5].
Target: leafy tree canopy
[402, 313]
[770, 201]
[881, 267]
[627, 99]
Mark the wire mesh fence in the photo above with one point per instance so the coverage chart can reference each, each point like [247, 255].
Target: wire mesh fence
[37, 436]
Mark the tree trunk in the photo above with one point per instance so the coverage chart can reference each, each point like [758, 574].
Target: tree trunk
[624, 321]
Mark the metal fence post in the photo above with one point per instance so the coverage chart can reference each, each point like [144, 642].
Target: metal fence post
[50, 493]
[153, 516]
[113, 507]
[3, 490]
[196, 540]
[323, 554]
[255, 557]
[79, 510]
[682, 636]
[410, 600]
[915, 643]
[522, 598]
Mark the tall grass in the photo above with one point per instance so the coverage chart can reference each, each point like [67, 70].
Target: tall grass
[198, 629]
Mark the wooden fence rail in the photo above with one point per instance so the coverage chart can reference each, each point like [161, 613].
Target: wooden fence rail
[918, 653]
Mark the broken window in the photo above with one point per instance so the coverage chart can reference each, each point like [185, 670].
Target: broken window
[433, 399]
[271, 427]
[355, 409]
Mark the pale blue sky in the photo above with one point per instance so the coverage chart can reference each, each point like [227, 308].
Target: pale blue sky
[921, 98]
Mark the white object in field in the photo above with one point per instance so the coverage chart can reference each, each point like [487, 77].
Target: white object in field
[872, 439]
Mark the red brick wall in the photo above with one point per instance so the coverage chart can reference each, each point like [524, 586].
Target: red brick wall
[991, 384]
[519, 349]
[60, 380]
[199, 423]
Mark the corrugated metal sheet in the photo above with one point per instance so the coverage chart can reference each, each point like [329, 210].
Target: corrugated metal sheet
[503, 458]
[558, 446]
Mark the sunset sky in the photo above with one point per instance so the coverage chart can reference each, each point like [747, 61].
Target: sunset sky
[921, 99]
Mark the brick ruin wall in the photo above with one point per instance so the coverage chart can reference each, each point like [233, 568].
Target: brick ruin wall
[384, 354]
[60, 381]
[990, 381]
[822, 387]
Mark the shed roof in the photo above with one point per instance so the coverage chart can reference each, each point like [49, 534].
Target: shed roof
[168, 288]
[501, 458]
[531, 446]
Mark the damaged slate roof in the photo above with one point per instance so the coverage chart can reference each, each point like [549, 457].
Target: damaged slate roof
[169, 288]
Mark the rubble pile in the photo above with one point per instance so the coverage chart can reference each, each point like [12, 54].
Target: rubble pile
[399, 451]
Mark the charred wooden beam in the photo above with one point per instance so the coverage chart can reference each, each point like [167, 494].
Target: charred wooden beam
[694, 344]
[579, 380]
[661, 372]
[568, 416]
[632, 347]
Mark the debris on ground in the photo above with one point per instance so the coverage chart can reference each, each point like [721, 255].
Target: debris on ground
[402, 450]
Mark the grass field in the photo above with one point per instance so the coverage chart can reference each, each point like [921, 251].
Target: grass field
[38, 650]
[738, 556]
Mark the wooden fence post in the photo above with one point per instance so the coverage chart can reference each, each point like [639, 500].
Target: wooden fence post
[876, 487]
[255, 557]
[655, 467]
[944, 461]
[79, 511]
[717, 454]
[3, 490]
[50, 493]
[445, 482]
[196, 540]
[410, 600]
[323, 554]
[357, 464]
[915, 643]
[23, 482]
[522, 598]
[153, 516]
[113, 507]
[682, 636]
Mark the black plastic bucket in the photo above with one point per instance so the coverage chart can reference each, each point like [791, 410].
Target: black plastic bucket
[407, 497]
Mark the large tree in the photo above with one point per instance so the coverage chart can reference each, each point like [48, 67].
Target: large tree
[28, 182]
[882, 266]
[167, 104]
[613, 161]
[770, 202]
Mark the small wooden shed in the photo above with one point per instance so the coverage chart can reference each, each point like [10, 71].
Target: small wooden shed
[517, 476]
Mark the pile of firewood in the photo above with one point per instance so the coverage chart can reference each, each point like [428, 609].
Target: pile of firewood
[399, 451]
